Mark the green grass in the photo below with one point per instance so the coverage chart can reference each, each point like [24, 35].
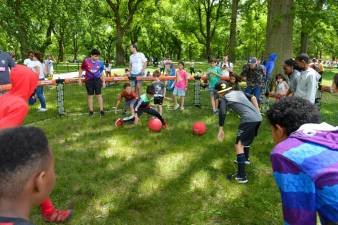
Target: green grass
[132, 176]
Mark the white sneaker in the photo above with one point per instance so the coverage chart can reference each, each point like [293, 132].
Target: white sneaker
[176, 107]
[42, 110]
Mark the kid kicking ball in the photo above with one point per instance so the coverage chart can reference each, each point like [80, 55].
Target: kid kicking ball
[199, 129]
[155, 125]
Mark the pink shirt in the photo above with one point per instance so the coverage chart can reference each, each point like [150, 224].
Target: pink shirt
[181, 80]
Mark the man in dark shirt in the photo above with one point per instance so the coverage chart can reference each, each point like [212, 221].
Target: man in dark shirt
[6, 63]
[253, 74]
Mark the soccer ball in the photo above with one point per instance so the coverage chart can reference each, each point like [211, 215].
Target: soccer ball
[155, 125]
[199, 128]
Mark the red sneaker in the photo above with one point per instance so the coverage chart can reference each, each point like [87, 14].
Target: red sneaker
[58, 216]
[118, 122]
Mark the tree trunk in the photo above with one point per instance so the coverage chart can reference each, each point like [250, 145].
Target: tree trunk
[233, 30]
[61, 55]
[119, 57]
[208, 35]
[304, 41]
[48, 38]
[279, 31]
[75, 48]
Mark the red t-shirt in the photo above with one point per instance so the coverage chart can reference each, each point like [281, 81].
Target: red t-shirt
[127, 96]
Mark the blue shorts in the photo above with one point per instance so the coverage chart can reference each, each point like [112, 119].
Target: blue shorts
[179, 92]
[134, 82]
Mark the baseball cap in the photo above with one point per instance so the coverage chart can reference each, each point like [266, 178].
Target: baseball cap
[252, 60]
[222, 87]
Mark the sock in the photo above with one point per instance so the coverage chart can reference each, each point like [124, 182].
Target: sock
[47, 207]
[246, 152]
[241, 165]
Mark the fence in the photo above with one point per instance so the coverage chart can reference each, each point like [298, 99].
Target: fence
[67, 97]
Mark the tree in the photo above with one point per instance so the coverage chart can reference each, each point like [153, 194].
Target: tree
[208, 13]
[123, 13]
[233, 30]
[279, 30]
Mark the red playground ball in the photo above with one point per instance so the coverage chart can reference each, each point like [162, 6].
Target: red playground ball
[155, 125]
[199, 129]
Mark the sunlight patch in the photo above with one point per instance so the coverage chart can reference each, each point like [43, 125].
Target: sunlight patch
[116, 149]
[149, 186]
[199, 181]
[174, 164]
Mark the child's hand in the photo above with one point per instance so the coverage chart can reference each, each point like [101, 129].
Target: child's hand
[220, 135]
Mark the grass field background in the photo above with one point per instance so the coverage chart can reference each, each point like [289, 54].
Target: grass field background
[132, 176]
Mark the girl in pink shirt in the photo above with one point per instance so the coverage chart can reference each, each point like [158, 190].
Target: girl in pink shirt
[181, 84]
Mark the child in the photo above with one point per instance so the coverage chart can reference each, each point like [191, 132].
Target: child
[170, 71]
[181, 83]
[13, 111]
[159, 91]
[27, 167]
[304, 162]
[281, 88]
[225, 71]
[142, 106]
[250, 119]
[234, 80]
[107, 68]
[129, 96]
[214, 74]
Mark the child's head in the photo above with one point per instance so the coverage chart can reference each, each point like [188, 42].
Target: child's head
[288, 114]
[150, 90]
[288, 66]
[222, 88]
[212, 62]
[181, 65]
[234, 78]
[127, 87]
[26, 165]
[279, 78]
[156, 74]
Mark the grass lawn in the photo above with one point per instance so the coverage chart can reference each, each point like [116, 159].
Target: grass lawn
[132, 176]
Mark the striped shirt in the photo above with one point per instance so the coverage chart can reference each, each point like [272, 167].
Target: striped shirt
[305, 167]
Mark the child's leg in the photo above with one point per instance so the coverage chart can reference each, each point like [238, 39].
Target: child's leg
[182, 102]
[175, 99]
[153, 112]
[216, 103]
[160, 109]
[240, 159]
[213, 104]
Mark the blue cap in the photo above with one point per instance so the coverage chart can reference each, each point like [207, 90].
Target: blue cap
[252, 60]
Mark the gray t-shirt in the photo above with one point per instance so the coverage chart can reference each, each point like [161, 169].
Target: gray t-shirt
[293, 79]
[307, 85]
[238, 101]
[159, 88]
[6, 63]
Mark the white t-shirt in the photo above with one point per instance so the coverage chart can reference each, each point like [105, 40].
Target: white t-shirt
[49, 64]
[307, 85]
[137, 60]
[33, 64]
[27, 61]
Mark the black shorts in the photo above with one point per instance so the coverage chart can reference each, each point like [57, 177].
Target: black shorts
[158, 100]
[94, 86]
[247, 132]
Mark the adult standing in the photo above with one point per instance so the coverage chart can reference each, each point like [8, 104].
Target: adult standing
[6, 63]
[37, 67]
[29, 58]
[49, 66]
[307, 84]
[290, 70]
[137, 65]
[94, 79]
[253, 74]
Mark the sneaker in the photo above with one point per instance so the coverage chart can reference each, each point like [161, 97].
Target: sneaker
[182, 108]
[118, 122]
[176, 107]
[91, 113]
[240, 180]
[42, 109]
[101, 113]
[247, 162]
[215, 111]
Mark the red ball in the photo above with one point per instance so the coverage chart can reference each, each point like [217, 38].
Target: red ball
[199, 128]
[155, 125]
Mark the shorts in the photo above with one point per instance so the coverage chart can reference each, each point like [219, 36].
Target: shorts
[134, 81]
[179, 92]
[94, 86]
[247, 132]
[212, 92]
[129, 103]
[158, 100]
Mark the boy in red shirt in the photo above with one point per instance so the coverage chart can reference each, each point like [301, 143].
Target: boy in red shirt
[129, 96]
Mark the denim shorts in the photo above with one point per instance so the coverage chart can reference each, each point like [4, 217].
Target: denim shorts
[179, 92]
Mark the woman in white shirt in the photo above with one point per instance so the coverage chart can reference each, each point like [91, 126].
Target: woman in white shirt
[37, 66]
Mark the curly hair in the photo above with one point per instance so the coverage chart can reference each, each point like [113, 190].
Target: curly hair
[25, 152]
[292, 112]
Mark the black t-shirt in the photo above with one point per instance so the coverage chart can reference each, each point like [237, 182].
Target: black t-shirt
[13, 221]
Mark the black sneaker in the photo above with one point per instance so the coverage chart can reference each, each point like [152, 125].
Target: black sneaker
[101, 113]
[240, 180]
[91, 113]
[247, 162]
